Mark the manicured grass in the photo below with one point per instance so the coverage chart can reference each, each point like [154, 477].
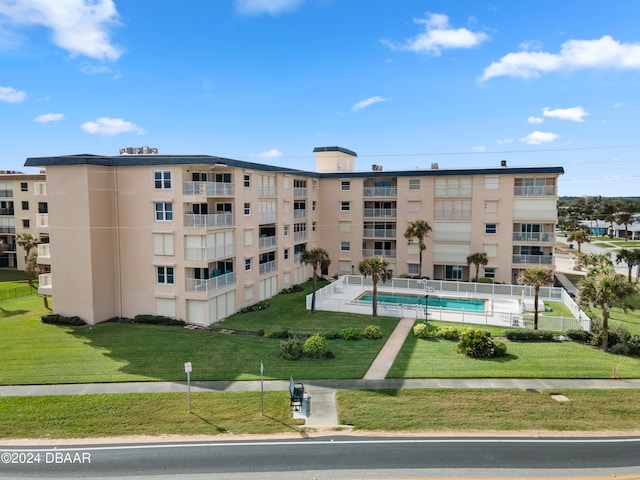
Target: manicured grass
[439, 359]
[485, 410]
[8, 275]
[558, 309]
[83, 416]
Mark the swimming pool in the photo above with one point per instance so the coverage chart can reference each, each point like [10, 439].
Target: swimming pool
[446, 303]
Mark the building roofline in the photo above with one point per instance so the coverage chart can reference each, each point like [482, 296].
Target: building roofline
[335, 149]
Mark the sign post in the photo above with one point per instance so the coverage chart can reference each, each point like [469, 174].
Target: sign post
[262, 385]
[188, 368]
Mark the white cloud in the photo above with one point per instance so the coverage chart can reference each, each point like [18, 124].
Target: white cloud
[618, 105]
[272, 7]
[575, 114]
[95, 69]
[603, 53]
[536, 138]
[11, 95]
[535, 120]
[368, 102]
[110, 126]
[438, 36]
[479, 148]
[506, 140]
[49, 117]
[78, 26]
[272, 153]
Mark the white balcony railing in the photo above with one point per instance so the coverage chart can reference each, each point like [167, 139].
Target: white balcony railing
[266, 191]
[40, 189]
[299, 236]
[208, 189]
[533, 259]
[267, 217]
[297, 257]
[534, 191]
[267, 242]
[534, 237]
[380, 212]
[452, 236]
[537, 215]
[45, 283]
[380, 192]
[42, 220]
[216, 220]
[300, 192]
[452, 214]
[44, 250]
[209, 285]
[379, 232]
[300, 213]
[453, 191]
[268, 267]
[378, 252]
[209, 253]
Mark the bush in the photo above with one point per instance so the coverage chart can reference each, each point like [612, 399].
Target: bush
[256, 307]
[350, 333]
[447, 333]
[499, 348]
[332, 335]
[529, 335]
[475, 344]
[290, 349]
[55, 319]
[158, 320]
[315, 346]
[485, 280]
[293, 289]
[282, 334]
[373, 332]
[579, 335]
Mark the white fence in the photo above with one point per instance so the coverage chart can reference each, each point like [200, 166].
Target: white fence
[340, 296]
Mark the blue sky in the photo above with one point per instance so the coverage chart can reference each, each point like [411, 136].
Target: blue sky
[404, 83]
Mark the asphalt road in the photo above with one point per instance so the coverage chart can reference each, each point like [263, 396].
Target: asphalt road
[336, 457]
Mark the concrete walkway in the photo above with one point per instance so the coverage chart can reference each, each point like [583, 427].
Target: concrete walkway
[381, 365]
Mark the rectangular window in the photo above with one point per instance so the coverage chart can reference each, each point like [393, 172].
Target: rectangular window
[165, 275]
[24, 187]
[247, 264]
[162, 179]
[345, 206]
[26, 223]
[345, 266]
[247, 208]
[413, 268]
[489, 272]
[164, 212]
[491, 183]
[345, 246]
[314, 205]
[248, 293]
[286, 230]
[345, 226]
[345, 186]
[413, 206]
[163, 244]
[490, 228]
[247, 180]
[414, 184]
[25, 205]
[491, 206]
[286, 254]
[314, 225]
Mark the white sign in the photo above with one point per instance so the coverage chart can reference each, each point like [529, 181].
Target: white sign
[187, 367]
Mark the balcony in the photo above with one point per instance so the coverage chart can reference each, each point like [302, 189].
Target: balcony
[380, 192]
[465, 191]
[534, 191]
[268, 267]
[209, 253]
[452, 214]
[40, 189]
[6, 193]
[541, 237]
[44, 251]
[300, 213]
[299, 192]
[45, 284]
[267, 217]
[7, 229]
[378, 252]
[201, 285]
[266, 191]
[379, 232]
[42, 220]
[297, 257]
[379, 212]
[535, 215]
[217, 220]
[451, 236]
[533, 259]
[267, 242]
[7, 211]
[208, 189]
[299, 236]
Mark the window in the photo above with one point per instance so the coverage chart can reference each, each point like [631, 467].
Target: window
[24, 187]
[453, 272]
[247, 208]
[413, 206]
[165, 275]
[162, 179]
[345, 186]
[414, 184]
[413, 268]
[345, 206]
[491, 206]
[314, 225]
[345, 246]
[164, 212]
[247, 264]
[491, 183]
[248, 238]
[286, 230]
[313, 205]
[345, 226]
[26, 223]
[248, 293]
[286, 254]
[163, 244]
[489, 273]
[25, 205]
[247, 180]
[490, 228]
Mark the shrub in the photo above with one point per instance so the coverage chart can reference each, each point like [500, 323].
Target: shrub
[350, 333]
[447, 333]
[332, 335]
[293, 289]
[421, 330]
[290, 349]
[373, 332]
[158, 320]
[499, 348]
[315, 346]
[282, 334]
[579, 335]
[256, 307]
[55, 319]
[475, 344]
[529, 335]
[485, 280]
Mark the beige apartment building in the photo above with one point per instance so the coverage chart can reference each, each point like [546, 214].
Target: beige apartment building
[199, 237]
[23, 209]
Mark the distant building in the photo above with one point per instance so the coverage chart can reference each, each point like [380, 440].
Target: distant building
[198, 237]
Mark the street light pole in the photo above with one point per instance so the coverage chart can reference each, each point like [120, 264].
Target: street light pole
[426, 312]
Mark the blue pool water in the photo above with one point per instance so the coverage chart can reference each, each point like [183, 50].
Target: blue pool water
[447, 303]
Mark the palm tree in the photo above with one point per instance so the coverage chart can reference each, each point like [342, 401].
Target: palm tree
[595, 261]
[418, 229]
[536, 277]
[477, 259]
[317, 258]
[378, 269]
[604, 288]
[579, 236]
[628, 256]
[624, 218]
[28, 242]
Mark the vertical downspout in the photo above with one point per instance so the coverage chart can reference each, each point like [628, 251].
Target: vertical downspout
[117, 252]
